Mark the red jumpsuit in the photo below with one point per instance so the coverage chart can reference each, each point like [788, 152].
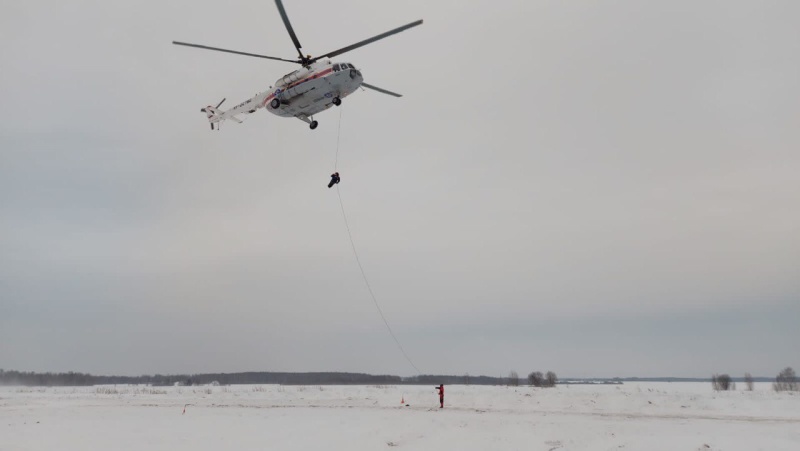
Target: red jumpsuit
[441, 396]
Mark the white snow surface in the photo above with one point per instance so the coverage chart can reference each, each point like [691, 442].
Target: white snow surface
[633, 416]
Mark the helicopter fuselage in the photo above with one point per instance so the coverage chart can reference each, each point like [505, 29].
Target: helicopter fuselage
[304, 92]
[317, 85]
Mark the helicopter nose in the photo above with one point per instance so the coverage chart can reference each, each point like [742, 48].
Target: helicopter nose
[355, 74]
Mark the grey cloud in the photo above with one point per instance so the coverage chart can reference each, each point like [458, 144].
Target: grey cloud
[555, 172]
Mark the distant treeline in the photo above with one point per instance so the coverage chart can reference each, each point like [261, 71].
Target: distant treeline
[81, 379]
[322, 378]
[679, 379]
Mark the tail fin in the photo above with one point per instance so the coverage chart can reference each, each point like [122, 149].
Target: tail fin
[213, 114]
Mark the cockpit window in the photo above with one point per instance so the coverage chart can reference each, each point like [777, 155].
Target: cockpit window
[345, 65]
[336, 67]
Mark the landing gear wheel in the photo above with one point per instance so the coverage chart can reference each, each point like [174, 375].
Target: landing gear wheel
[313, 125]
[337, 101]
[275, 104]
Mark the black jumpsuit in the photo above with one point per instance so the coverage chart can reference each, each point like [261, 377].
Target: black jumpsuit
[334, 179]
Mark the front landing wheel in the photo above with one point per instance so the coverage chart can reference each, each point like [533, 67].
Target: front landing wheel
[337, 101]
[313, 125]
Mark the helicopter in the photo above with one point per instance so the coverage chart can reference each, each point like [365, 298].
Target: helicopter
[319, 84]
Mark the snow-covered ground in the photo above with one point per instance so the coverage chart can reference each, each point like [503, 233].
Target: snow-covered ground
[633, 416]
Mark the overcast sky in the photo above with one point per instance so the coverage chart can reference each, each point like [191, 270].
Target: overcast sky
[595, 188]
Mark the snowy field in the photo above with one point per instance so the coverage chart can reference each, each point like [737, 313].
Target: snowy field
[633, 416]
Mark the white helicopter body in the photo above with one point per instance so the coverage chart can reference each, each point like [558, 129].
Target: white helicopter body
[301, 94]
[315, 87]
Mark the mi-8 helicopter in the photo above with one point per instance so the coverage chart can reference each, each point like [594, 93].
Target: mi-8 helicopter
[313, 88]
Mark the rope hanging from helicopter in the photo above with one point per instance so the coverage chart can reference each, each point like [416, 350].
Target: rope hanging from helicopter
[338, 134]
[358, 260]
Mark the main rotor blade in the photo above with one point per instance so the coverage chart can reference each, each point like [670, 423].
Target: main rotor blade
[375, 88]
[289, 28]
[233, 51]
[368, 41]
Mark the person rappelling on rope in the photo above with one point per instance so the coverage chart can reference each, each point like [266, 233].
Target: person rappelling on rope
[334, 179]
[441, 395]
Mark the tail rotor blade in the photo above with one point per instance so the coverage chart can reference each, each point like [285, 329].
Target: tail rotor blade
[220, 103]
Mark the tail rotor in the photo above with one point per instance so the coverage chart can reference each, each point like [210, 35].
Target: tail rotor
[211, 113]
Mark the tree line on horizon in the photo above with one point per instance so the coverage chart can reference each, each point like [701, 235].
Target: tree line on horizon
[786, 380]
[83, 379]
[71, 378]
[535, 379]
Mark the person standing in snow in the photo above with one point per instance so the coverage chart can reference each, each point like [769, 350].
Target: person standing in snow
[441, 395]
